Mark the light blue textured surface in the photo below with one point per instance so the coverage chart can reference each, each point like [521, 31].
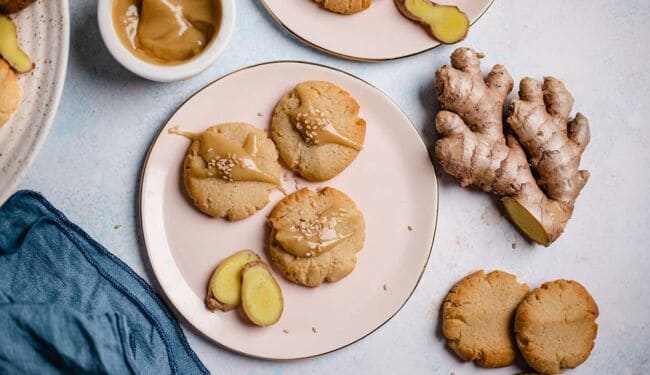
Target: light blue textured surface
[90, 164]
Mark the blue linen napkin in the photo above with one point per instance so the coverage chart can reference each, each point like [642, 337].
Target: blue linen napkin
[67, 305]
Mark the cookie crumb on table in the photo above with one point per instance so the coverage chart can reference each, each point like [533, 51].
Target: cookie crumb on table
[259, 114]
[314, 329]
[385, 287]
[117, 226]
[410, 228]
[285, 331]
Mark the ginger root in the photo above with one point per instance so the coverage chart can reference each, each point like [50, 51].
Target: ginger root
[224, 287]
[9, 48]
[535, 169]
[261, 295]
[446, 23]
[9, 92]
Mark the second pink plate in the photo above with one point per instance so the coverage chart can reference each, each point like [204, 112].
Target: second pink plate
[375, 34]
[392, 181]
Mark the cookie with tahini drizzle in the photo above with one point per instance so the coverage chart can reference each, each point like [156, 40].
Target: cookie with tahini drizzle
[315, 236]
[230, 170]
[317, 129]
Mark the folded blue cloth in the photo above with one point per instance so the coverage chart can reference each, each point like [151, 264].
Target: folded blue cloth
[67, 305]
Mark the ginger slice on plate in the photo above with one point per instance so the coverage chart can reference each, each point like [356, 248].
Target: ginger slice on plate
[446, 23]
[261, 295]
[224, 287]
[9, 48]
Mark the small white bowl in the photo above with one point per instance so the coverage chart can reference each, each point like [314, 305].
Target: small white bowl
[163, 73]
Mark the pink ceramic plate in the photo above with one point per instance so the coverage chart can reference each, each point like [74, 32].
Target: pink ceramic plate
[377, 33]
[392, 182]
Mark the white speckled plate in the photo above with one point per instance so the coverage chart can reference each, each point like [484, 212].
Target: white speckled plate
[392, 182]
[375, 34]
[44, 32]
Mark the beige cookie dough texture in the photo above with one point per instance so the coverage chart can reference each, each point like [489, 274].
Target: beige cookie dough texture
[477, 315]
[555, 326]
[344, 6]
[231, 200]
[330, 266]
[9, 92]
[321, 162]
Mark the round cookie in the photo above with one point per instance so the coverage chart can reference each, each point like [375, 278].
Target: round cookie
[317, 162]
[477, 316]
[555, 326]
[305, 207]
[233, 200]
[344, 6]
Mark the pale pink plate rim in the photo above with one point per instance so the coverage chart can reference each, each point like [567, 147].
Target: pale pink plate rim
[142, 236]
[350, 57]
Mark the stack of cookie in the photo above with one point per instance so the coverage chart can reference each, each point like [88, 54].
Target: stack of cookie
[554, 325]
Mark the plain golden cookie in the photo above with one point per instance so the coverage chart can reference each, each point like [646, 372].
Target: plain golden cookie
[304, 206]
[344, 6]
[477, 316]
[555, 326]
[231, 200]
[324, 161]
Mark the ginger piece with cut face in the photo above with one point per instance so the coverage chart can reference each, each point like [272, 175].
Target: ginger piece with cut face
[9, 92]
[9, 48]
[474, 149]
[224, 287]
[261, 295]
[446, 23]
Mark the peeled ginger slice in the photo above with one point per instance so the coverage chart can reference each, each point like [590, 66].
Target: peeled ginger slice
[447, 23]
[224, 288]
[261, 295]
